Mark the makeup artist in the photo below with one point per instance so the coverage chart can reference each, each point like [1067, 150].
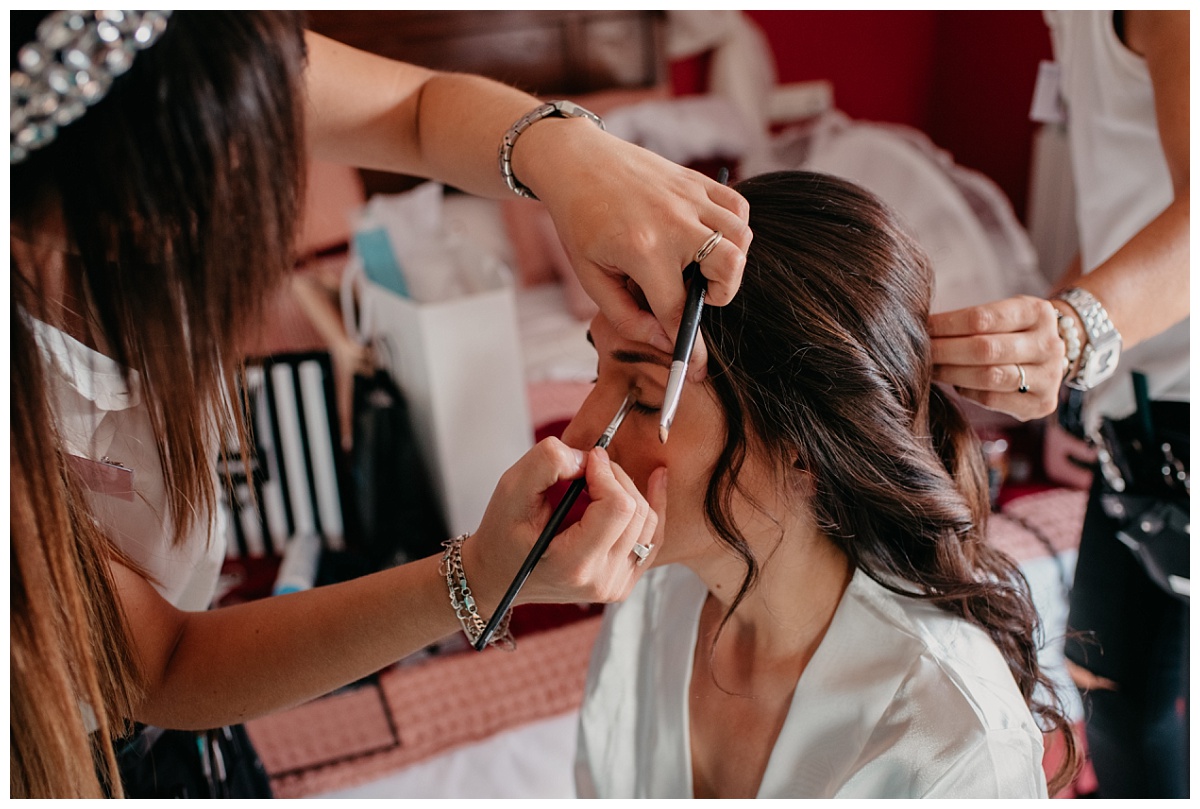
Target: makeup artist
[156, 169]
[1122, 311]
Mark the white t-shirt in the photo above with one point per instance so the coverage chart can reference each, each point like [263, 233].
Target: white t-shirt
[1121, 184]
[99, 417]
[900, 700]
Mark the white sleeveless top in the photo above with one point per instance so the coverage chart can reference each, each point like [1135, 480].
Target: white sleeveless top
[1121, 182]
[99, 416]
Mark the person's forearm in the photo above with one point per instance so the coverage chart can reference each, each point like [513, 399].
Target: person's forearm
[622, 212]
[204, 669]
[380, 114]
[236, 663]
[1145, 285]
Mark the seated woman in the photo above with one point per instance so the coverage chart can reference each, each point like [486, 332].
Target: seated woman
[826, 617]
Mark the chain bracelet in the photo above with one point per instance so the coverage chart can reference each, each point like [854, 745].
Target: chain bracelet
[463, 601]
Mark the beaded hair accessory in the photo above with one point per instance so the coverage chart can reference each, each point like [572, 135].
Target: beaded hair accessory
[71, 66]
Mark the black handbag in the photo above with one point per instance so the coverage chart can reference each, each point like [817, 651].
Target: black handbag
[399, 516]
[220, 763]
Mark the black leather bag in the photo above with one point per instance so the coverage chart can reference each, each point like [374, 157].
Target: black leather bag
[220, 763]
[1145, 465]
[399, 515]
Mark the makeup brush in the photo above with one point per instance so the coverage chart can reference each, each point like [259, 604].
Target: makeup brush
[551, 529]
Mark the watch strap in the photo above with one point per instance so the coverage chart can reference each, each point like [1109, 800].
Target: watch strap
[1098, 360]
[559, 109]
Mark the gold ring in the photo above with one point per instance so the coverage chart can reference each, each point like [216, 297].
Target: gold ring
[708, 246]
[1021, 386]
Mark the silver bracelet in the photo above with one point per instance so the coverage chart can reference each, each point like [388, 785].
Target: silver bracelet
[1098, 358]
[463, 602]
[560, 109]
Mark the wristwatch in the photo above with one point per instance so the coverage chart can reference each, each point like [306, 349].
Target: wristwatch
[557, 109]
[1098, 361]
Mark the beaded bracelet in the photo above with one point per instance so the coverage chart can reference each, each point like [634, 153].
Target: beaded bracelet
[1069, 332]
[463, 601]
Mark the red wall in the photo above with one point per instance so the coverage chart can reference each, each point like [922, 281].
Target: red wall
[881, 63]
[965, 78]
[987, 66]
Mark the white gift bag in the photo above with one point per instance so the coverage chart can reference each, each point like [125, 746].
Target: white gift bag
[458, 362]
[440, 312]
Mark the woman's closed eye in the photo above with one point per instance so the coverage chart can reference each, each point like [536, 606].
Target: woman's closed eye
[646, 409]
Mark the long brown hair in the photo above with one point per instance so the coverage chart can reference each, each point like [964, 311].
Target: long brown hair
[823, 359]
[176, 201]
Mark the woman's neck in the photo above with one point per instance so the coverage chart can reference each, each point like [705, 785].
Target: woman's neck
[802, 576]
[744, 674]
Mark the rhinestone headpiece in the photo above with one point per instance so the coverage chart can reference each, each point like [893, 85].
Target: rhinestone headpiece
[70, 67]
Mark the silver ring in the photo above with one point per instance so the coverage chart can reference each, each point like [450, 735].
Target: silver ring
[642, 551]
[708, 246]
[1021, 386]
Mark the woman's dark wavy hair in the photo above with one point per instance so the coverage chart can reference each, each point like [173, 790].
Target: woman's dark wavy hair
[178, 198]
[822, 360]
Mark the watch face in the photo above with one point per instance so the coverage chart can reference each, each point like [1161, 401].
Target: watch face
[1104, 362]
[1098, 364]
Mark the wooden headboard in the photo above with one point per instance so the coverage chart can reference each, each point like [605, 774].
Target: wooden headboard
[545, 53]
[542, 52]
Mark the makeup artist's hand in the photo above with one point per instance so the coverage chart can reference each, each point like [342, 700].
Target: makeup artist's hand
[977, 350]
[626, 214]
[592, 560]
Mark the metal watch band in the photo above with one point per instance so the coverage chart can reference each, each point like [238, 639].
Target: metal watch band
[1098, 360]
[559, 109]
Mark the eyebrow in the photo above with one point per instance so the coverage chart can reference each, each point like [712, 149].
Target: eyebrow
[634, 357]
[637, 357]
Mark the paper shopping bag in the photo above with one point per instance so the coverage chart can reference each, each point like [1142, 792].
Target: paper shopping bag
[458, 362]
